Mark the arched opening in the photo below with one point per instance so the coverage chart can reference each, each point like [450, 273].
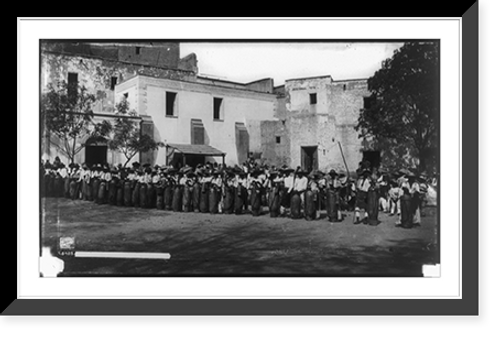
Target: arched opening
[96, 150]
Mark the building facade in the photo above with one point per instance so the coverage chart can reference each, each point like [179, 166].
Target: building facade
[307, 122]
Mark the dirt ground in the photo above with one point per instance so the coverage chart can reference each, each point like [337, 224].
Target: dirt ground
[235, 245]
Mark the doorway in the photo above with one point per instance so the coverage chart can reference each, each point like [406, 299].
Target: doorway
[96, 151]
[309, 158]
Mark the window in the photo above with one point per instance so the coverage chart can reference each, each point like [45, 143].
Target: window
[113, 82]
[137, 50]
[217, 108]
[278, 140]
[72, 85]
[313, 98]
[125, 95]
[344, 87]
[170, 103]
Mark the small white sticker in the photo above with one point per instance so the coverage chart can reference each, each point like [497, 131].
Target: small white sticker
[431, 270]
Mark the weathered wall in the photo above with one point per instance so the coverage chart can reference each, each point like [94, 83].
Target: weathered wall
[96, 74]
[274, 153]
[327, 123]
[195, 100]
[264, 85]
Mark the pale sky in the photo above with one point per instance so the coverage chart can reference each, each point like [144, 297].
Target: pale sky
[247, 62]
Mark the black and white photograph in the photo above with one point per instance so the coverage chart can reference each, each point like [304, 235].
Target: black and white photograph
[239, 158]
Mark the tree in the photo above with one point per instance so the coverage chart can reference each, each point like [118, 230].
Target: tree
[404, 102]
[126, 135]
[67, 114]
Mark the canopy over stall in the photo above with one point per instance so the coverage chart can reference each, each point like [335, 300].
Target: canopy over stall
[193, 150]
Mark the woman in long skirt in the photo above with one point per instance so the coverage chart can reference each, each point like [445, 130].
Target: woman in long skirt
[332, 205]
[295, 205]
[228, 199]
[177, 199]
[67, 181]
[204, 197]
[213, 200]
[255, 199]
[274, 201]
[143, 195]
[406, 214]
[159, 196]
[119, 192]
[136, 198]
[95, 189]
[239, 199]
[127, 193]
[186, 198]
[101, 193]
[167, 195]
[196, 196]
[372, 207]
[73, 189]
[309, 205]
[112, 192]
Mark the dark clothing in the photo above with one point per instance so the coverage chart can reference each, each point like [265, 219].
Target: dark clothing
[372, 207]
[406, 211]
[240, 195]
[295, 205]
[310, 205]
[274, 202]
[332, 204]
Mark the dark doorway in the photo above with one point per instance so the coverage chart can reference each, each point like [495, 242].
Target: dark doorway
[373, 157]
[193, 160]
[96, 151]
[309, 158]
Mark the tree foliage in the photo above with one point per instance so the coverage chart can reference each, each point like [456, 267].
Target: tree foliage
[66, 111]
[126, 133]
[405, 100]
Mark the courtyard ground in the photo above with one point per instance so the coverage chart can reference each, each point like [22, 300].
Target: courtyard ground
[235, 245]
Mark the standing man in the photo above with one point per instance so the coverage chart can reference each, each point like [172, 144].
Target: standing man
[362, 187]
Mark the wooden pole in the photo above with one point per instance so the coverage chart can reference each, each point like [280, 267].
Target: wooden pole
[343, 158]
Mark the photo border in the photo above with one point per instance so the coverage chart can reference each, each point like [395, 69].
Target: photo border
[467, 305]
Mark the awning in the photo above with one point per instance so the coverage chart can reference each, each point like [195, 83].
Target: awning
[197, 149]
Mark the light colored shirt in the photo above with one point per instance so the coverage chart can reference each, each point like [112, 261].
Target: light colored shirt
[288, 182]
[217, 182]
[363, 184]
[63, 172]
[415, 188]
[300, 184]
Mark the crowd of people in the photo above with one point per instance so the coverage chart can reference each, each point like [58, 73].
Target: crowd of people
[251, 188]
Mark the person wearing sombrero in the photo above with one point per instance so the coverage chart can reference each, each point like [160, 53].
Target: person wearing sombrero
[332, 190]
[240, 197]
[311, 197]
[406, 217]
[287, 187]
[228, 192]
[197, 176]
[373, 200]
[177, 193]
[255, 192]
[205, 182]
[298, 193]
[362, 186]
[186, 182]
[169, 188]
[274, 185]
[415, 193]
